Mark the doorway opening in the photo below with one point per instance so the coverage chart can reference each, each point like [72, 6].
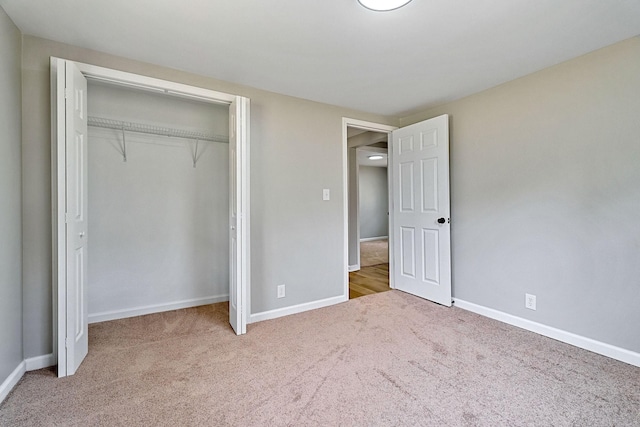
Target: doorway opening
[166, 187]
[419, 207]
[367, 192]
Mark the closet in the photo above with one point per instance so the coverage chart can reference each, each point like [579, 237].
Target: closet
[158, 204]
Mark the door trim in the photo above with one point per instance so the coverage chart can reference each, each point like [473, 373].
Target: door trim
[369, 126]
[58, 166]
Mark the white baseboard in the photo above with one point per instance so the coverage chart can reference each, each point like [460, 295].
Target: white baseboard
[156, 308]
[355, 267]
[599, 347]
[285, 311]
[12, 380]
[40, 362]
[370, 239]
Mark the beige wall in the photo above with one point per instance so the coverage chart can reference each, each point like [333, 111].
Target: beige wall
[296, 151]
[545, 192]
[545, 186]
[10, 206]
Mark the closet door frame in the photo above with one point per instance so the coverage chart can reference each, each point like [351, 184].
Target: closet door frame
[58, 184]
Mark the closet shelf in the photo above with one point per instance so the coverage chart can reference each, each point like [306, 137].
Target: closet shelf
[153, 130]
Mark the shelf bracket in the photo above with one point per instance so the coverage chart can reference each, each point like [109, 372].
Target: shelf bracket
[124, 145]
[195, 154]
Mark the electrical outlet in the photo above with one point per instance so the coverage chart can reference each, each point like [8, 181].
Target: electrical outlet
[530, 301]
[281, 291]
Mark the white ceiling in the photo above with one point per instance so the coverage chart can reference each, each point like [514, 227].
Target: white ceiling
[336, 51]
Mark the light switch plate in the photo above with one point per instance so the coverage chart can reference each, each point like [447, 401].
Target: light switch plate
[326, 194]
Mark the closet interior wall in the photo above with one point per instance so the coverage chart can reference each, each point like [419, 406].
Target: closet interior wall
[158, 222]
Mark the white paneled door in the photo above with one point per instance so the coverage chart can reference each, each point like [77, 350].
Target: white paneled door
[420, 214]
[77, 341]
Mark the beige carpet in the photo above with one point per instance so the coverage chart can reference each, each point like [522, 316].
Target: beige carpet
[383, 359]
[374, 252]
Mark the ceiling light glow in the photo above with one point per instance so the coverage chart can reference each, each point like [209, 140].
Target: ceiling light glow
[383, 5]
[375, 157]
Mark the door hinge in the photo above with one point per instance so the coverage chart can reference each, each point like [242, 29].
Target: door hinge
[67, 218]
[66, 343]
[68, 93]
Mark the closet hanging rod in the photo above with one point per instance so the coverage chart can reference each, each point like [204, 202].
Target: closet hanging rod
[153, 130]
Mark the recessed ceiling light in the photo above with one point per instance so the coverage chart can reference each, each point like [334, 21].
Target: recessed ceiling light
[375, 157]
[383, 5]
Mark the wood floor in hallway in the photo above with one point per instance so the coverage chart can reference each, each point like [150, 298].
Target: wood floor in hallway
[369, 280]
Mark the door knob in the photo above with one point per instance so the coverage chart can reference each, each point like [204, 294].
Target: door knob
[441, 220]
[81, 234]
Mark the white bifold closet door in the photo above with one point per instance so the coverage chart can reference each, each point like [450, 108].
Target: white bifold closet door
[238, 210]
[77, 335]
[70, 196]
